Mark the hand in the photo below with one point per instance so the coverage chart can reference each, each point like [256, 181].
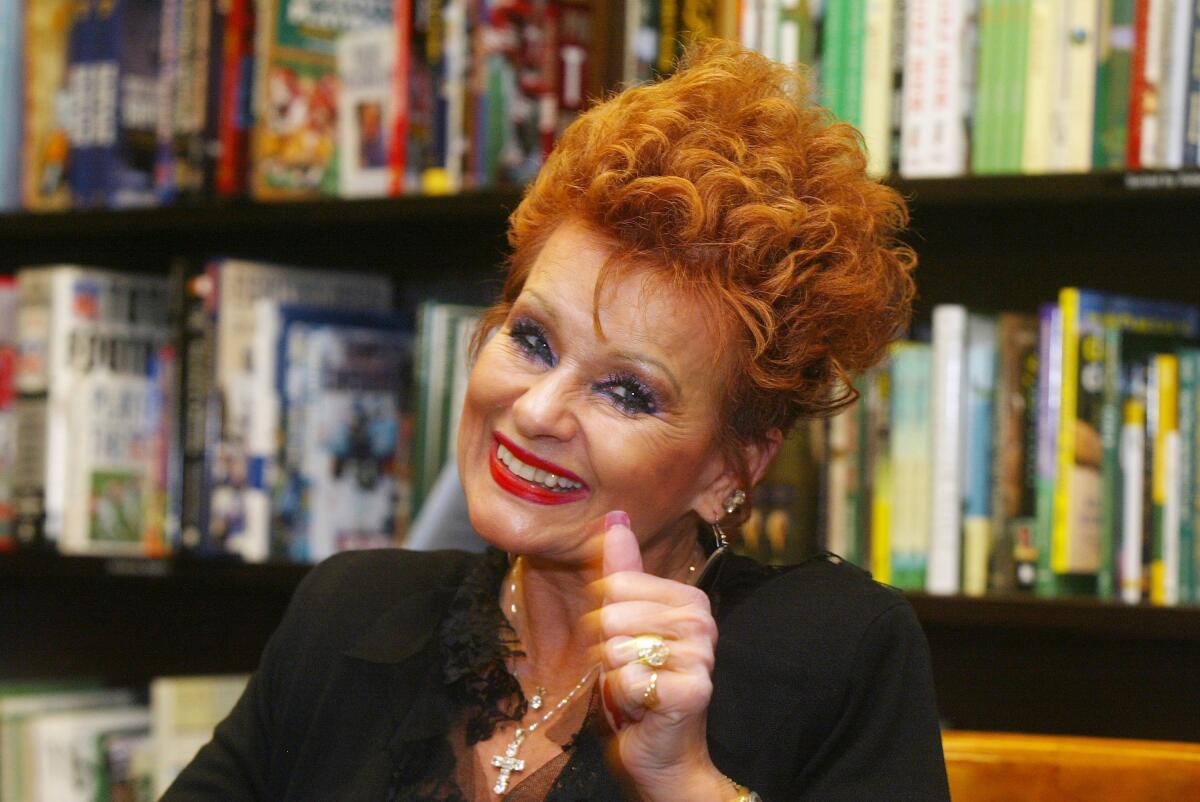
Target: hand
[663, 748]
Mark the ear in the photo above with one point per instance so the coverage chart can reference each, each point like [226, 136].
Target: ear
[756, 457]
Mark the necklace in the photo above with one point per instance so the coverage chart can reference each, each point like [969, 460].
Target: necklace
[509, 762]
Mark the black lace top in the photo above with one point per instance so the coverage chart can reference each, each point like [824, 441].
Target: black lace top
[482, 694]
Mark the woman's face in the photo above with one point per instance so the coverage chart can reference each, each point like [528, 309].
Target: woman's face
[622, 420]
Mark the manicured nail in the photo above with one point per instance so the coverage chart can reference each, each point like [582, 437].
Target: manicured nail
[616, 518]
[615, 719]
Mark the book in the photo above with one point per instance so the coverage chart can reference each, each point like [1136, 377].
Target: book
[1014, 471]
[233, 88]
[88, 342]
[1189, 401]
[949, 400]
[1176, 54]
[937, 73]
[229, 290]
[1162, 435]
[877, 88]
[1049, 406]
[8, 394]
[1073, 87]
[11, 80]
[980, 391]
[114, 103]
[443, 334]
[1114, 71]
[1076, 533]
[183, 713]
[911, 364]
[985, 133]
[329, 435]
[366, 69]
[47, 105]
[295, 121]
[842, 485]
[20, 705]
[1011, 114]
[1044, 56]
[876, 553]
[64, 750]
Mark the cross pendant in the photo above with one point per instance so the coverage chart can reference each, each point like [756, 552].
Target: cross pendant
[507, 765]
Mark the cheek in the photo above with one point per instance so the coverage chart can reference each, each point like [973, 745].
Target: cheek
[662, 465]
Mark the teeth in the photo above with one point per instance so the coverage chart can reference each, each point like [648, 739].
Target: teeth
[529, 473]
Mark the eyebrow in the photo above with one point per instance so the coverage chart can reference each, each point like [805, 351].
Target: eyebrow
[625, 356]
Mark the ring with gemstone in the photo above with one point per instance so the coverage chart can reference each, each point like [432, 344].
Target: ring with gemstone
[652, 650]
[650, 695]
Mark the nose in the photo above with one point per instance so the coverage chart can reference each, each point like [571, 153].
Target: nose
[544, 408]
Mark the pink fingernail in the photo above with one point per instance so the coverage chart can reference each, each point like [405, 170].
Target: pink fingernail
[616, 518]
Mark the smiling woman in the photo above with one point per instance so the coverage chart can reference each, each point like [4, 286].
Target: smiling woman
[700, 263]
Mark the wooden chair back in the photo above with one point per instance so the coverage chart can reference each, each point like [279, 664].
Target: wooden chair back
[1005, 767]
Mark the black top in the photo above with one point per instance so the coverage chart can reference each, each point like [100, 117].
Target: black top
[821, 689]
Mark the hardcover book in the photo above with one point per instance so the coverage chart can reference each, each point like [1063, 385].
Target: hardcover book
[45, 141]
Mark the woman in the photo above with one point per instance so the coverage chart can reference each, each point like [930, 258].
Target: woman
[700, 263]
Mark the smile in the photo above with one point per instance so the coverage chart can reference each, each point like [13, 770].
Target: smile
[531, 478]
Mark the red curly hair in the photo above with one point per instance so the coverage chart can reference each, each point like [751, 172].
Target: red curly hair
[727, 182]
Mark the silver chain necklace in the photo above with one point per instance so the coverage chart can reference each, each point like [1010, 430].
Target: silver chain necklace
[509, 762]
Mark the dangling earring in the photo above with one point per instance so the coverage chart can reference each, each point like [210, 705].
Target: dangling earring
[719, 534]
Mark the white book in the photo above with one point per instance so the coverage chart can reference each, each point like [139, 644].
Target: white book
[88, 340]
[366, 65]
[750, 24]
[1133, 467]
[947, 468]
[238, 286]
[15, 711]
[837, 538]
[1153, 97]
[938, 74]
[454, 90]
[184, 713]
[1173, 98]
[1172, 503]
[63, 751]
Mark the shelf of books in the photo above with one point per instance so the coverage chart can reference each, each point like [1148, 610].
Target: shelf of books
[217, 341]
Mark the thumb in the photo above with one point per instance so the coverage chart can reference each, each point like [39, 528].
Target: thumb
[622, 552]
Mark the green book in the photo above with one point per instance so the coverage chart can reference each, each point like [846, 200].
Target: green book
[853, 58]
[987, 81]
[1114, 74]
[1016, 63]
[833, 49]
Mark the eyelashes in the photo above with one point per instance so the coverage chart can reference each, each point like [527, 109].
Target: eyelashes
[628, 392]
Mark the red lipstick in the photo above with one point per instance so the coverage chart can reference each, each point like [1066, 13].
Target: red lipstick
[524, 488]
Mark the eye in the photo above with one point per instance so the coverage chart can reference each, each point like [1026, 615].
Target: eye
[530, 337]
[629, 393]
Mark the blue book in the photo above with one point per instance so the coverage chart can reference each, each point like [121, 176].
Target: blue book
[12, 83]
[118, 93]
[329, 438]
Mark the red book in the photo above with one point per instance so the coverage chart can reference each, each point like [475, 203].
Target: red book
[1137, 86]
[398, 151]
[234, 114]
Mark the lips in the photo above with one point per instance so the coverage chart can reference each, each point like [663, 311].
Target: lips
[527, 488]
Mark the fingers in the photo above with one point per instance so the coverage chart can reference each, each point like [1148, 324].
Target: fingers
[676, 695]
[622, 650]
[622, 552]
[633, 618]
[631, 585]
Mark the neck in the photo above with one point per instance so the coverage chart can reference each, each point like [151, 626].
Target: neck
[545, 600]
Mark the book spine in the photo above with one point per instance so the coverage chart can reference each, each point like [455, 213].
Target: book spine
[984, 129]
[1133, 451]
[90, 101]
[853, 62]
[910, 464]
[837, 480]
[168, 76]
[1191, 141]
[1164, 481]
[197, 409]
[402, 11]
[948, 418]
[916, 125]
[1050, 379]
[1078, 96]
[877, 85]
[879, 551]
[1175, 72]
[1111, 498]
[1137, 85]
[980, 391]
[1186, 485]
[1044, 52]
[833, 67]
[35, 324]
[235, 111]
[11, 90]
[1153, 97]
[1012, 106]
[130, 166]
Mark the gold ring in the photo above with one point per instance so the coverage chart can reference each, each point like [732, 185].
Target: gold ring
[650, 696]
[652, 650]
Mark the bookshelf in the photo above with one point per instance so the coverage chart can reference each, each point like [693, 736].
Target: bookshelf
[996, 242]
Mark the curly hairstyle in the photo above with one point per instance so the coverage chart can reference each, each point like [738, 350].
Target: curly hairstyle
[726, 181]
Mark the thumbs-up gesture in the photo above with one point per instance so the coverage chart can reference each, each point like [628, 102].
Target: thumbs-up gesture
[656, 643]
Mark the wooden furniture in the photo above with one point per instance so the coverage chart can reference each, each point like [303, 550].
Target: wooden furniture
[1002, 767]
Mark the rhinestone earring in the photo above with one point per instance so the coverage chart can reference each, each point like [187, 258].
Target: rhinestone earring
[735, 500]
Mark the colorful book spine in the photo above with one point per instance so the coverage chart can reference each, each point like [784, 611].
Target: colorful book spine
[878, 402]
[1191, 139]
[1012, 93]
[235, 111]
[1153, 97]
[1044, 54]
[1073, 95]
[985, 125]
[980, 393]
[876, 81]
[911, 365]
[366, 67]
[936, 105]
[1133, 471]
[1114, 71]
[1189, 393]
[8, 396]
[1164, 478]
[46, 121]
